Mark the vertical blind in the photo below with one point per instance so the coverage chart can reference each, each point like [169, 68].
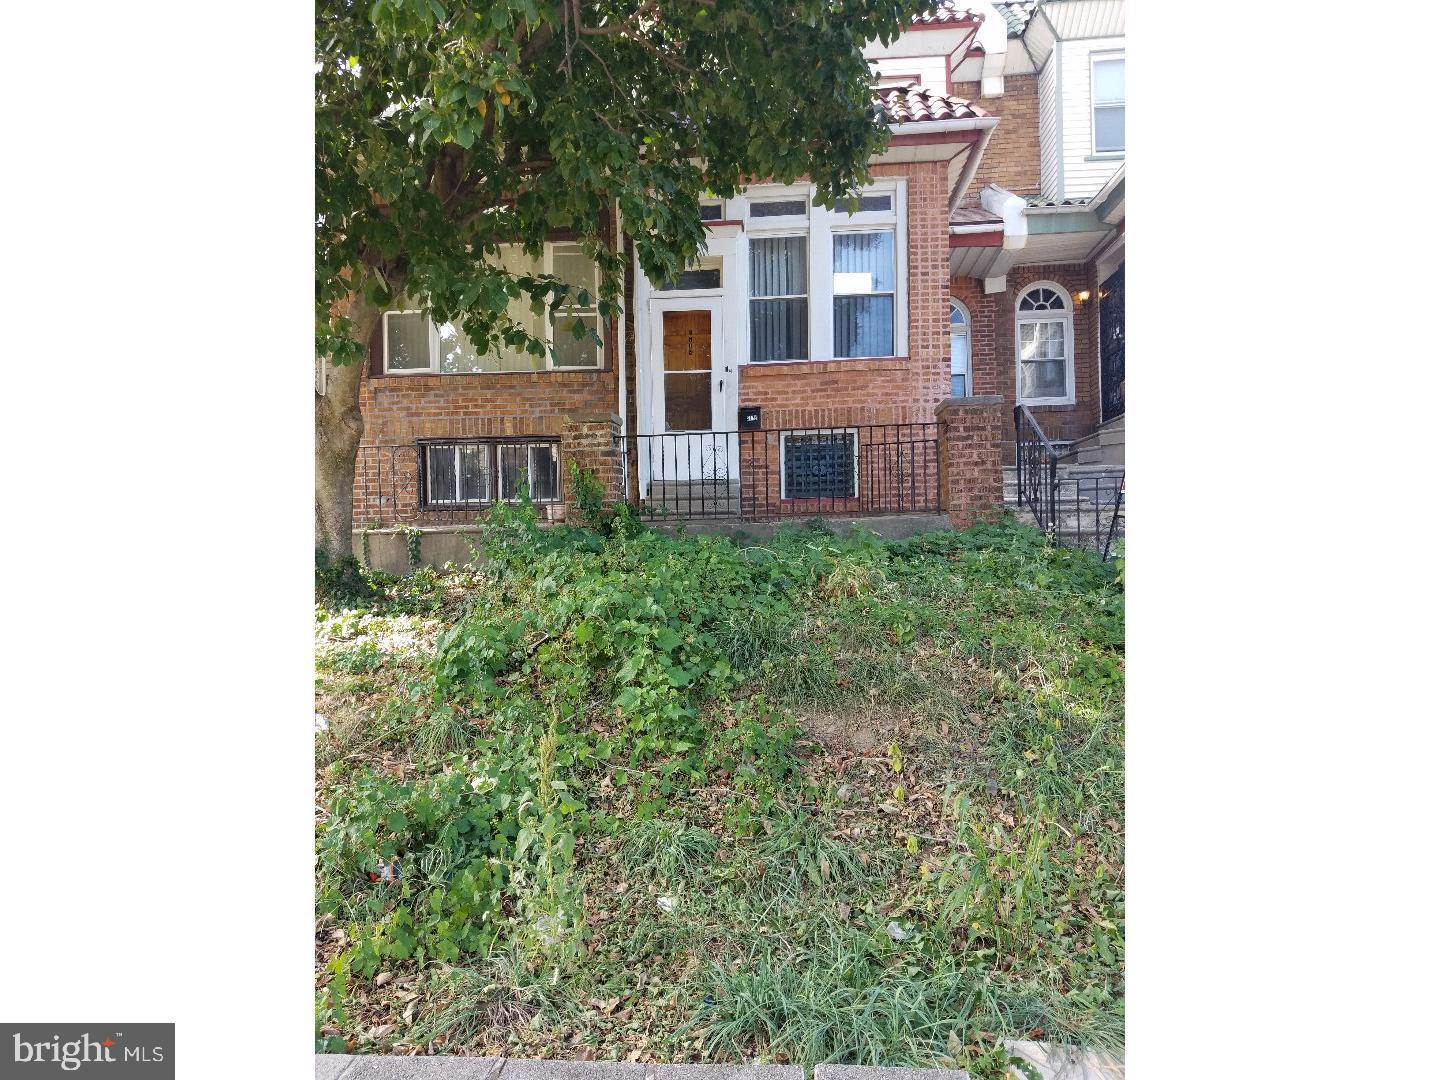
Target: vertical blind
[779, 309]
[864, 269]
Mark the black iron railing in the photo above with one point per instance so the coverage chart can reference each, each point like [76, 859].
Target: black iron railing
[1035, 469]
[794, 472]
[1084, 509]
[1090, 511]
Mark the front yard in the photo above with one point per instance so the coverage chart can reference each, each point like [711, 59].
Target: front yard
[686, 800]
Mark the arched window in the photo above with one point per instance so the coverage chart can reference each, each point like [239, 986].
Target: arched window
[959, 349]
[1044, 346]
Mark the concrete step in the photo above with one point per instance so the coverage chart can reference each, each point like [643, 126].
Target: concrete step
[1104, 446]
[1069, 470]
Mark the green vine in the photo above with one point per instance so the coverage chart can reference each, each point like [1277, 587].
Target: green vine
[412, 544]
[365, 559]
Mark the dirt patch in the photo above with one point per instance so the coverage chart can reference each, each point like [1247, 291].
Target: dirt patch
[856, 730]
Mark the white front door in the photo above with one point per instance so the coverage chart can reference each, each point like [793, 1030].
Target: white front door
[694, 394]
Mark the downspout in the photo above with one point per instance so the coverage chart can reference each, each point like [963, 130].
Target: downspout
[993, 37]
[620, 361]
[972, 163]
[620, 324]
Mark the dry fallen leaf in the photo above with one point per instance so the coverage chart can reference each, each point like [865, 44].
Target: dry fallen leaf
[384, 977]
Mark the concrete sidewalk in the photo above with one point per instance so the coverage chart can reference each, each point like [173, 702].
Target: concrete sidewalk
[1058, 1063]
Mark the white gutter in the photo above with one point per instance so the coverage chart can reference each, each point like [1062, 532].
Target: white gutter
[988, 226]
[1110, 185]
[977, 151]
[924, 127]
[1011, 209]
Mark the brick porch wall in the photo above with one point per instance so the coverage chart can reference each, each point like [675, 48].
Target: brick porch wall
[973, 442]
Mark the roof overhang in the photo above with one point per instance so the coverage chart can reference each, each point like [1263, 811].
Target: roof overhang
[961, 143]
[1078, 233]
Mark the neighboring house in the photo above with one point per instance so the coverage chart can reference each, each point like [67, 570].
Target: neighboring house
[799, 365]
[1038, 250]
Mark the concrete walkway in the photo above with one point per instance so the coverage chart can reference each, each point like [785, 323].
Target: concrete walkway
[1058, 1063]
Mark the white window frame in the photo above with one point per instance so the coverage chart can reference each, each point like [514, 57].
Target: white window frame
[1096, 57]
[1068, 318]
[547, 265]
[820, 225]
[969, 372]
[455, 446]
[593, 309]
[385, 345]
[853, 433]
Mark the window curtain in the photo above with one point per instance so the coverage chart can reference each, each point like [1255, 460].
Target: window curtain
[864, 268]
[778, 327]
[408, 341]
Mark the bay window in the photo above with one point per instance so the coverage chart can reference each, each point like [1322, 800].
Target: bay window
[414, 343]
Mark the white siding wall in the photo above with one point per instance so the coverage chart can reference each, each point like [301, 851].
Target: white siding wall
[1081, 174]
[930, 69]
[1049, 136]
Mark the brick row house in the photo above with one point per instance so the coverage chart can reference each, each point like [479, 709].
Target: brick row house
[814, 360]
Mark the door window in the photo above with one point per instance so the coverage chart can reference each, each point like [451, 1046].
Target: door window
[688, 361]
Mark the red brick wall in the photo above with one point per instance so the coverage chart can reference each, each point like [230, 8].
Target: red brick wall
[1012, 159]
[399, 409]
[973, 439]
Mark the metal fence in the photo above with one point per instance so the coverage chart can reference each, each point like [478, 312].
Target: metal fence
[741, 475]
[794, 472]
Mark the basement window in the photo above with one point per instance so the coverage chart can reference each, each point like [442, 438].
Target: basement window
[473, 472]
[819, 464]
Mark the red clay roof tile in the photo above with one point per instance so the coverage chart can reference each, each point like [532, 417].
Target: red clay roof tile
[912, 105]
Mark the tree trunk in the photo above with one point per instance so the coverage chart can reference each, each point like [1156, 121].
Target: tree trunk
[338, 427]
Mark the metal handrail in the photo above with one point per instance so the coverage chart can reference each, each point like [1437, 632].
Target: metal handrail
[1036, 466]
